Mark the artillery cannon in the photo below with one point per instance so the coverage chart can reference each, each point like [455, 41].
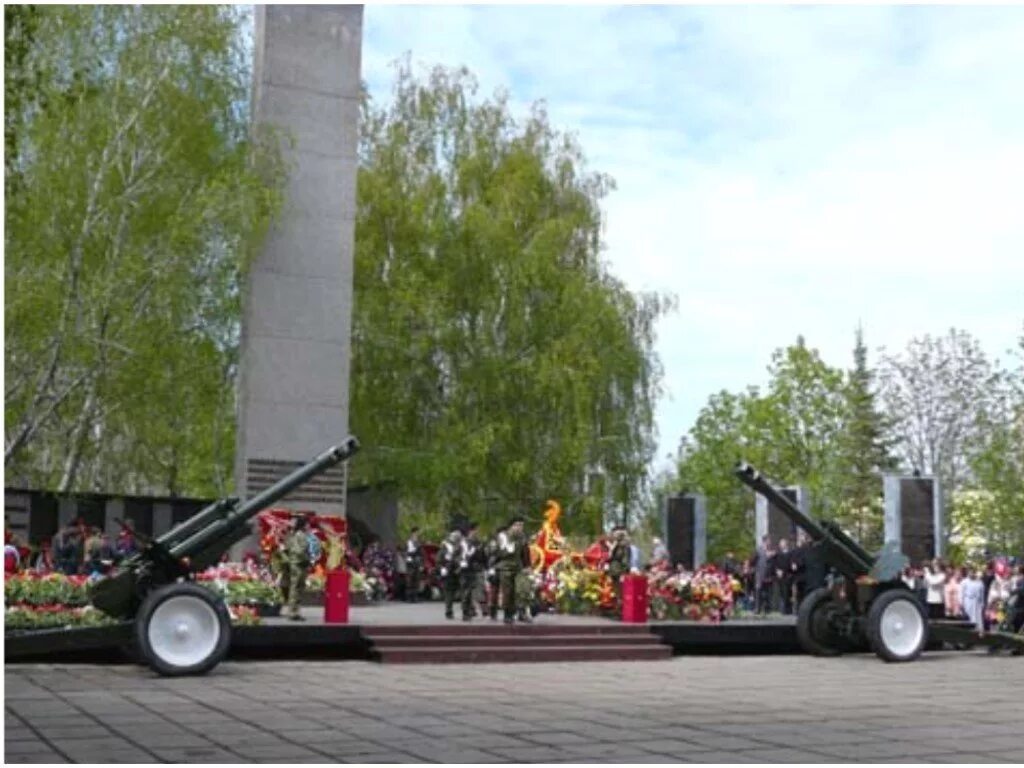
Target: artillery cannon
[182, 628]
[870, 605]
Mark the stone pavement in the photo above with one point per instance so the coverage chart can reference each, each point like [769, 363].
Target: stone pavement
[947, 707]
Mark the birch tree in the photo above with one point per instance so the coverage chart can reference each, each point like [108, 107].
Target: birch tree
[138, 195]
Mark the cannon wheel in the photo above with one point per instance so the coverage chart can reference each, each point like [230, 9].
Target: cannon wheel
[812, 628]
[897, 627]
[182, 629]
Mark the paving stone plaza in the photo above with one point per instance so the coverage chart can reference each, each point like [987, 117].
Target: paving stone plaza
[946, 707]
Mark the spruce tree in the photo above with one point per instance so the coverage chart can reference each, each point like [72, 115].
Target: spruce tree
[866, 452]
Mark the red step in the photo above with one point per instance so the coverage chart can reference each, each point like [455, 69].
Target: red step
[439, 654]
[500, 629]
[484, 640]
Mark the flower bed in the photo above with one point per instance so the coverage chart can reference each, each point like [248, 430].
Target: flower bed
[49, 601]
[53, 616]
[248, 591]
[30, 589]
[578, 591]
[573, 587]
[706, 595]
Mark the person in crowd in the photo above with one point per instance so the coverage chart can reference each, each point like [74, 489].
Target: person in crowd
[43, 561]
[474, 560]
[126, 544]
[907, 577]
[1015, 609]
[401, 576]
[920, 586]
[749, 584]
[935, 582]
[12, 558]
[660, 551]
[618, 561]
[729, 564]
[635, 557]
[493, 579]
[413, 566]
[449, 556]
[951, 593]
[999, 592]
[798, 567]
[763, 576]
[986, 579]
[972, 598]
[68, 549]
[295, 566]
[782, 568]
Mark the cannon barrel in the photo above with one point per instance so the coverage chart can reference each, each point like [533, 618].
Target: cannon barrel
[200, 540]
[204, 516]
[847, 556]
[236, 517]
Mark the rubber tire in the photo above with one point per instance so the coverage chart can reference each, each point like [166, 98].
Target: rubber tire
[153, 601]
[814, 645]
[874, 624]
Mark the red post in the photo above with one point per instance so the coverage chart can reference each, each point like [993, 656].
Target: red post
[634, 599]
[336, 597]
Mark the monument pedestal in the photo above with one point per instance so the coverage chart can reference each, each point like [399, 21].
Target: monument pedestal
[297, 298]
[913, 516]
[686, 529]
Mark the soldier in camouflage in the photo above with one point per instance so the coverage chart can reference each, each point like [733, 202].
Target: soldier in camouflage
[493, 580]
[471, 572]
[295, 566]
[514, 556]
[618, 561]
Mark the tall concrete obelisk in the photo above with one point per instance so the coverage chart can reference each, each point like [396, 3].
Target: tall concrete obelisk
[294, 368]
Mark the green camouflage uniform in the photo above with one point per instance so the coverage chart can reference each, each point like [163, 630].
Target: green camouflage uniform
[493, 577]
[471, 575]
[514, 556]
[294, 569]
[618, 566]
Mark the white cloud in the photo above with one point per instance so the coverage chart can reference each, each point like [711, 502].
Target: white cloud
[782, 170]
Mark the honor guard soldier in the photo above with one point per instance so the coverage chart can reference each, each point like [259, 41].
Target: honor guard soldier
[296, 565]
[449, 558]
[513, 553]
[471, 572]
[493, 579]
[413, 566]
[618, 560]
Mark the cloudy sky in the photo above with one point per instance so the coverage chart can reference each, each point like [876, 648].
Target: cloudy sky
[782, 171]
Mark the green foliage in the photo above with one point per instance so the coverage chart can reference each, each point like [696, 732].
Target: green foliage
[495, 360]
[864, 454]
[997, 466]
[943, 405]
[790, 432]
[139, 196]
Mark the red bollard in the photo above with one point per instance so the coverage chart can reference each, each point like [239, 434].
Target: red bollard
[336, 597]
[634, 599]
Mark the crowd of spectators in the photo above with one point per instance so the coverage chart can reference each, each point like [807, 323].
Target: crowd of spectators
[969, 592]
[77, 549]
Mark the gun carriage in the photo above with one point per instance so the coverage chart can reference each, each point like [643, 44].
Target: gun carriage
[181, 628]
[870, 606]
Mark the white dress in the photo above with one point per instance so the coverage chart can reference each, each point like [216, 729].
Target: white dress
[972, 600]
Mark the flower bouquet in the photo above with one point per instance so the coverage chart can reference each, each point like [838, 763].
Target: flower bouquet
[243, 586]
